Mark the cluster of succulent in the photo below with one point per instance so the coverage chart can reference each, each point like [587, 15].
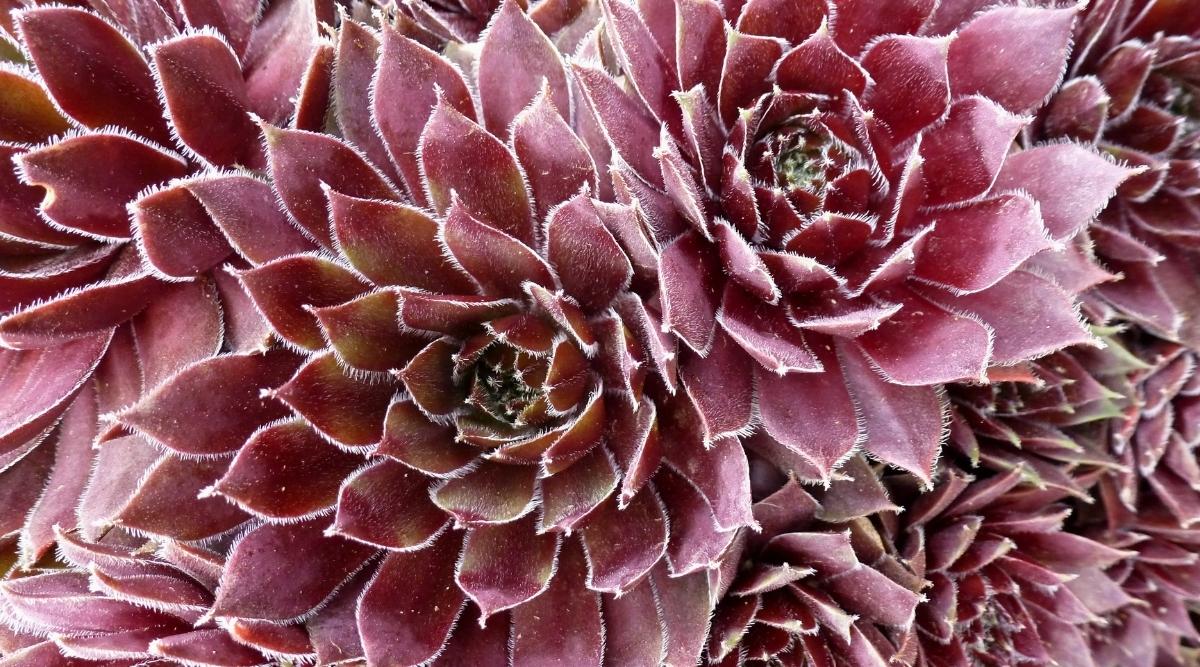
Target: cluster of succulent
[812, 333]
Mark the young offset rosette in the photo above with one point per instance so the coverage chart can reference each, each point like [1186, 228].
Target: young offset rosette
[1131, 91]
[845, 204]
[109, 264]
[472, 428]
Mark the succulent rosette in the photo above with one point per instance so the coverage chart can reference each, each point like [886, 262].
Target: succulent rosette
[1130, 91]
[873, 571]
[1148, 598]
[1057, 417]
[842, 203]
[817, 585]
[110, 278]
[1008, 584]
[471, 422]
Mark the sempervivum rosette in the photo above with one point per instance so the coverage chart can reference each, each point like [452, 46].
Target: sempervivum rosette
[1058, 417]
[840, 200]
[95, 156]
[1007, 584]
[816, 585]
[459, 438]
[1131, 91]
[1148, 598]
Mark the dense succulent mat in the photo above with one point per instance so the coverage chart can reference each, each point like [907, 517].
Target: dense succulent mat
[808, 333]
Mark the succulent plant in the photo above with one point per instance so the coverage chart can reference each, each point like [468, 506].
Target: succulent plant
[109, 283]
[843, 204]
[1130, 91]
[479, 332]
[816, 585]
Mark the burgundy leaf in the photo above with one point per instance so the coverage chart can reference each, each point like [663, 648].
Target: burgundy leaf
[911, 87]
[90, 177]
[623, 544]
[221, 398]
[408, 609]
[393, 244]
[348, 410]
[281, 572]
[176, 234]
[515, 57]
[410, 72]
[283, 289]
[589, 260]
[498, 262]
[114, 89]
[539, 639]
[506, 565]
[488, 493]
[200, 80]
[286, 471]
[244, 209]
[460, 158]
[903, 424]
[304, 163]
[1014, 55]
[367, 508]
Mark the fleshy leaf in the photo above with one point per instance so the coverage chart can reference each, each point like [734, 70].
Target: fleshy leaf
[222, 400]
[555, 160]
[176, 234]
[623, 544]
[538, 640]
[303, 163]
[79, 314]
[1014, 55]
[287, 471]
[369, 502]
[81, 196]
[911, 87]
[1070, 182]
[500, 263]
[281, 572]
[201, 83]
[1020, 298]
[810, 413]
[284, 288]
[903, 424]
[689, 278]
[924, 344]
[489, 493]
[341, 407]
[973, 247]
[393, 244]
[364, 333]
[244, 209]
[114, 89]
[505, 565]
[408, 609]
[410, 72]
[514, 59]
[459, 157]
[963, 154]
[591, 264]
